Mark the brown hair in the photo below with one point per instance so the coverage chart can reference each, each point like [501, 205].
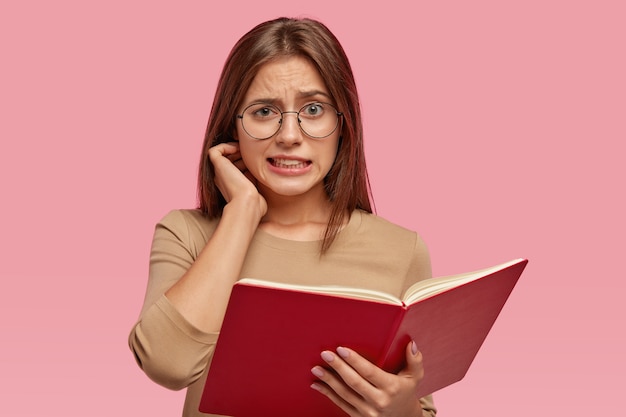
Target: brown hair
[347, 183]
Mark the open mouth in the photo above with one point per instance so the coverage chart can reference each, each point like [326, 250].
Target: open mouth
[288, 163]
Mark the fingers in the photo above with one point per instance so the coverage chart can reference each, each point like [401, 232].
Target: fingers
[235, 158]
[346, 386]
[332, 388]
[223, 149]
[362, 375]
[350, 383]
[414, 365]
[358, 386]
[229, 151]
[229, 167]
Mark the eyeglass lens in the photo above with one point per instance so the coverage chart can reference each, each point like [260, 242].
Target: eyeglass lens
[262, 120]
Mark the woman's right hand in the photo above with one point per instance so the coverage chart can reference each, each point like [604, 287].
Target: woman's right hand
[218, 265]
[233, 178]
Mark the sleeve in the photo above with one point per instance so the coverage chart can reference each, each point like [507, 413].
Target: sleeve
[420, 267]
[170, 350]
[428, 406]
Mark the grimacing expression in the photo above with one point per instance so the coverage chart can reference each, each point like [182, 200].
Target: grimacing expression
[290, 162]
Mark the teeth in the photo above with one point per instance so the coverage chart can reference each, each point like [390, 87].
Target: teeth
[288, 163]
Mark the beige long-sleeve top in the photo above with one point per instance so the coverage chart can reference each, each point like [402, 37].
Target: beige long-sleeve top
[369, 252]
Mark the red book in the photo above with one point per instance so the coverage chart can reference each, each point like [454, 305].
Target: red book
[273, 335]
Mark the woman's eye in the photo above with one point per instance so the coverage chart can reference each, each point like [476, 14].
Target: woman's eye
[315, 109]
[264, 112]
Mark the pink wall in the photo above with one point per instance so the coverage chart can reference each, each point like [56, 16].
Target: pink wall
[495, 130]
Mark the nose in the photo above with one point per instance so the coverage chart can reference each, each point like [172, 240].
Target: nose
[289, 132]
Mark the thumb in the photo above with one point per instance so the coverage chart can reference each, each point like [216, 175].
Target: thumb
[414, 366]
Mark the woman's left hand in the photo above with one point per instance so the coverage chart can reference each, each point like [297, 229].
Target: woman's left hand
[360, 388]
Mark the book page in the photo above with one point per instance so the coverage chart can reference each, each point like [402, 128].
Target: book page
[433, 286]
[418, 291]
[336, 290]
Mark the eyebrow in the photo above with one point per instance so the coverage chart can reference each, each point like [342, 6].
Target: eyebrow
[311, 93]
[301, 94]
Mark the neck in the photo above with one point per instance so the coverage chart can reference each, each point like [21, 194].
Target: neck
[302, 217]
[294, 210]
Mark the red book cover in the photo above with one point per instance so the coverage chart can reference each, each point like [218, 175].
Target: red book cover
[271, 338]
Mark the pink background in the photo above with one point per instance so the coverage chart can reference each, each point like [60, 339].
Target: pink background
[493, 128]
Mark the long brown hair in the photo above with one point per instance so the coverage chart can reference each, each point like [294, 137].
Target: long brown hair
[347, 182]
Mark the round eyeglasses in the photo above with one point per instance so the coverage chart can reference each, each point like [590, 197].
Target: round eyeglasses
[262, 120]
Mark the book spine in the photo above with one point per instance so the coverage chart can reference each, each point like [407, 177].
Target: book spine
[383, 362]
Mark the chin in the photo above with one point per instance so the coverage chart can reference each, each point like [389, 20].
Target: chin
[290, 190]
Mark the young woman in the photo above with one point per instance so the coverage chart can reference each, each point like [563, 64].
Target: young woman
[284, 196]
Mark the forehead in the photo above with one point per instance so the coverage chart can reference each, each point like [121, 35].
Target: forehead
[286, 79]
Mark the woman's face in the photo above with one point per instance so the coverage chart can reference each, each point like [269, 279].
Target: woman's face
[290, 163]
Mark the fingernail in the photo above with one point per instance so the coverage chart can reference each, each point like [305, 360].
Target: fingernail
[317, 371]
[413, 348]
[328, 356]
[316, 387]
[343, 352]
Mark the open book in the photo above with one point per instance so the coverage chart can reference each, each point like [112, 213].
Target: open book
[273, 334]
